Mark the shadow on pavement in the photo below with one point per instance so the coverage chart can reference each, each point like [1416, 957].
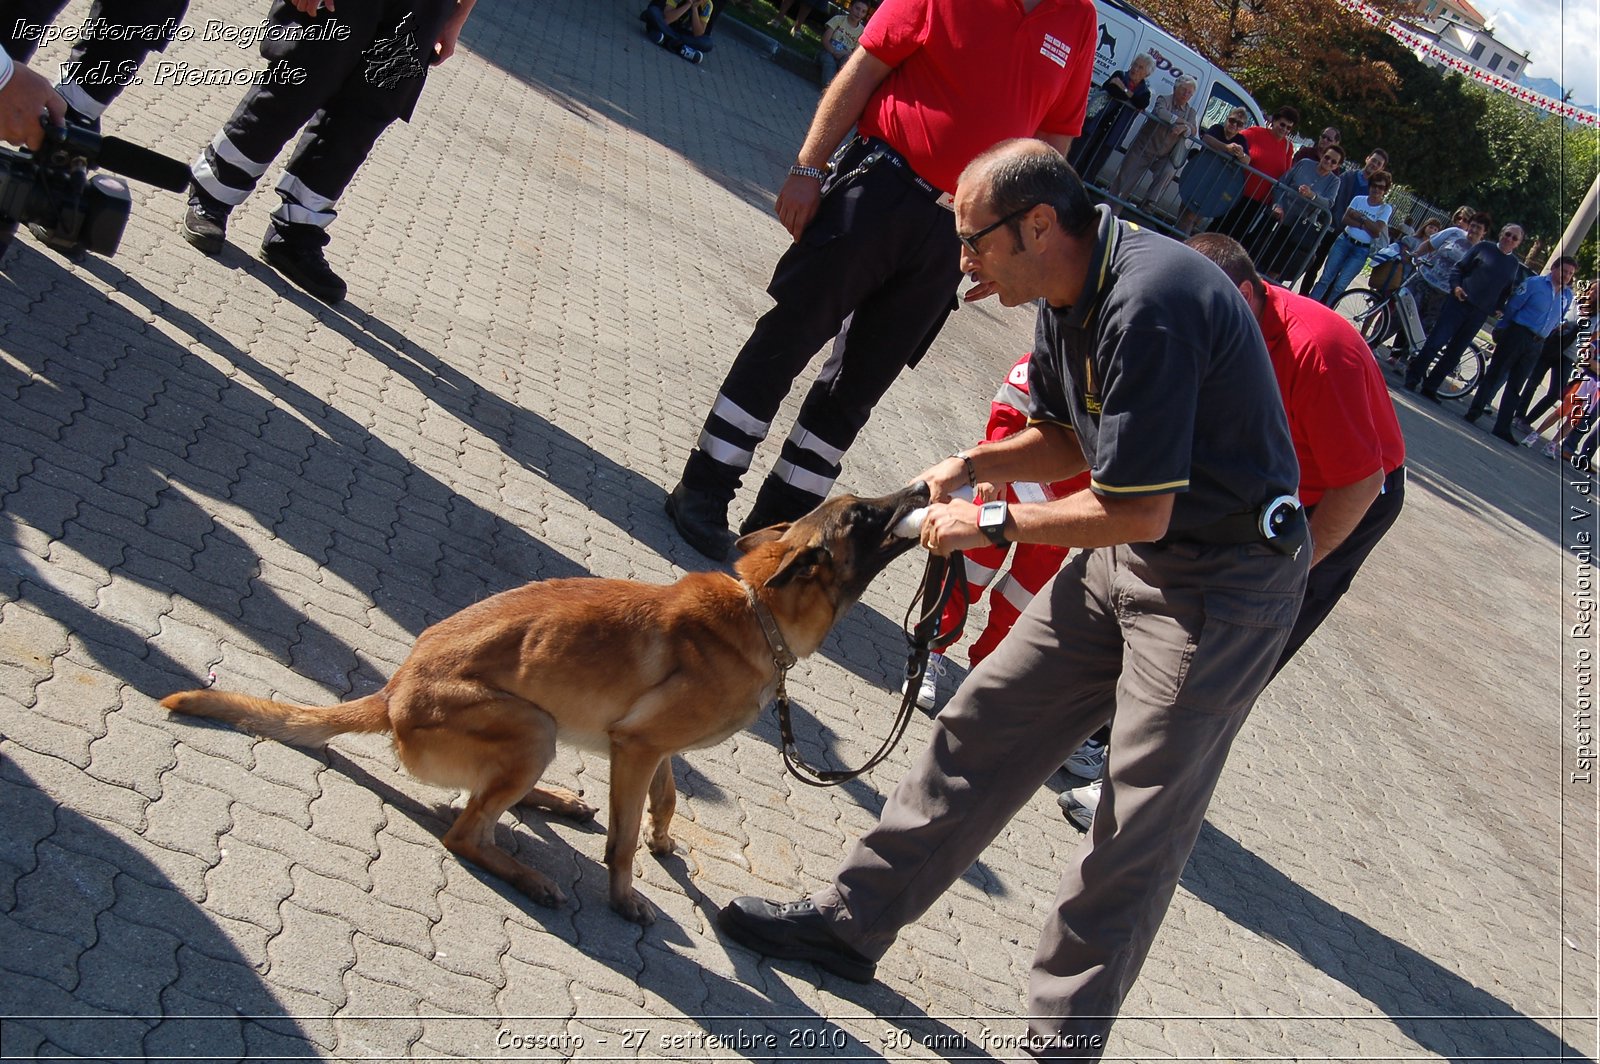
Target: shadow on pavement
[699, 117]
[112, 960]
[728, 1009]
[148, 442]
[1472, 471]
[1436, 1008]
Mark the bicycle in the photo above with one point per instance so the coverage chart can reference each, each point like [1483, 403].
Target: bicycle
[1384, 317]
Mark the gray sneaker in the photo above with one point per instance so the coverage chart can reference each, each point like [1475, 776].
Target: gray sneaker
[1079, 804]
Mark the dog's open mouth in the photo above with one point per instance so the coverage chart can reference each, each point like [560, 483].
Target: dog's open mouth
[908, 501]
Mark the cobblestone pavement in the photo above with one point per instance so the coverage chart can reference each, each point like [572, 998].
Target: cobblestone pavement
[203, 471]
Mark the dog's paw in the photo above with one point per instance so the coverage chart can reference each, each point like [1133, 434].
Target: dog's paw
[561, 802]
[633, 906]
[662, 845]
[540, 890]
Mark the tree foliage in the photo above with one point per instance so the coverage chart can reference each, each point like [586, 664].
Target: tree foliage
[1287, 51]
[1450, 140]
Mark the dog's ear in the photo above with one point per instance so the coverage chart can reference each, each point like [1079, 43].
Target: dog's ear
[750, 542]
[803, 562]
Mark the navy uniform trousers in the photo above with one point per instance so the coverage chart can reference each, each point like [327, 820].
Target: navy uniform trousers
[102, 66]
[1332, 577]
[347, 89]
[1171, 645]
[876, 272]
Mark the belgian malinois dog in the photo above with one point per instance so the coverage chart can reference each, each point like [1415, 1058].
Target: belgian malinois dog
[637, 670]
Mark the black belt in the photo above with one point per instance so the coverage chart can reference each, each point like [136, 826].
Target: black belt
[1233, 529]
[879, 150]
[1279, 523]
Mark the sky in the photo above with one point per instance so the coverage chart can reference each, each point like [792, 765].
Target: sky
[1562, 38]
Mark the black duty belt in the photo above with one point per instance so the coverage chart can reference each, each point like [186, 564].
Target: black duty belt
[880, 151]
[1279, 523]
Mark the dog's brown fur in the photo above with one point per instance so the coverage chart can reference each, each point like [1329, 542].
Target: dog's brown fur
[637, 670]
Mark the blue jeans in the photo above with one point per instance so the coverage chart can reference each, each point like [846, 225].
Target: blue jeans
[655, 21]
[1345, 260]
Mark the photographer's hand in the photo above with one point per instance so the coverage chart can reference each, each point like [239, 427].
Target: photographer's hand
[26, 96]
[311, 7]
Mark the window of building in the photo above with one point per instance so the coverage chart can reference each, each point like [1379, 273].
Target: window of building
[1494, 61]
[1511, 67]
[1477, 50]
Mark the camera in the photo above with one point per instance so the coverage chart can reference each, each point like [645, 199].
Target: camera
[56, 193]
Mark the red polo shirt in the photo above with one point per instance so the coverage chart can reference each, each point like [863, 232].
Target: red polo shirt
[1268, 154]
[971, 73]
[1341, 418]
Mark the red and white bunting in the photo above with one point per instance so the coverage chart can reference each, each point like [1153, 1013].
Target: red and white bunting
[1494, 81]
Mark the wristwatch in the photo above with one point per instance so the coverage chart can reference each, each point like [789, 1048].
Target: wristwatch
[815, 172]
[992, 522]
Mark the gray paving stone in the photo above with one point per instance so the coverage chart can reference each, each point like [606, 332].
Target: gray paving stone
[208, 469]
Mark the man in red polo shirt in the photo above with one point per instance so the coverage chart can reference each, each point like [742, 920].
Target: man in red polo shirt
[876, 261]
[1272, 153]
[1346, 436]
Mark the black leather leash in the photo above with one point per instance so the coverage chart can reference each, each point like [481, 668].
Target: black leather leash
[942, 579]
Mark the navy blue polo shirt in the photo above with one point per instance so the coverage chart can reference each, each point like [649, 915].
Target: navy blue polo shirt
[1161, 371]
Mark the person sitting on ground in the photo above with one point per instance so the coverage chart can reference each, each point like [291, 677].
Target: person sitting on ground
[1365, 223]
[1160, 146]
[1302, 201]
[840, 39]
[803, 12]
[681, 28]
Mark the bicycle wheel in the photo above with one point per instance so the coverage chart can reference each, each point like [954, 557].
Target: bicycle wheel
[1459, 382]
[1369, 312]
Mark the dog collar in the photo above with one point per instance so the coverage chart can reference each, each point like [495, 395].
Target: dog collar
[782, 657]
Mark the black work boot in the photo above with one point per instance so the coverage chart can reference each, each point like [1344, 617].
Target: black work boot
[794, 930]
[296, 252]
[776, 503]
[701, 520]
[206, 223]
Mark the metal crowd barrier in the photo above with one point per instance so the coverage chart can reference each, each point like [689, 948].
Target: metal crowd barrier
[1208, 190]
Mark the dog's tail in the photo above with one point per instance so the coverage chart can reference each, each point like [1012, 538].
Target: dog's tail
[284, 721]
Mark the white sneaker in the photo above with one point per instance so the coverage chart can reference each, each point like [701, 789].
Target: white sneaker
[1531, 439]
[1080, 803]
[1088, 760]
[928, 693]
[1552, 449]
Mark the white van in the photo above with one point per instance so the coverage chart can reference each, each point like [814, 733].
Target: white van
[1125, 32]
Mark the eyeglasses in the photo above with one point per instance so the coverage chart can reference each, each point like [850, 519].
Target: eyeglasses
[1235, 121]
[971, 242]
